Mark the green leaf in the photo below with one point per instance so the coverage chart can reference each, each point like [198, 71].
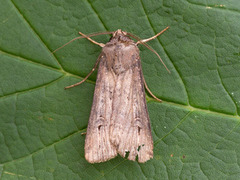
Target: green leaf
[196, 128]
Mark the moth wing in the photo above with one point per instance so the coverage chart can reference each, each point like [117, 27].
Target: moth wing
[130, 129]
[97, 143]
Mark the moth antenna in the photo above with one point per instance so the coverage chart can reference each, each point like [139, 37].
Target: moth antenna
[150, 91]
[151, 49]
[143, 42]
[93, 69]
[83, 36]
[134, 36]
[67, 43]
[99, 33]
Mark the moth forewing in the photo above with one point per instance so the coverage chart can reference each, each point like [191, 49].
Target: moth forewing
[98, 147]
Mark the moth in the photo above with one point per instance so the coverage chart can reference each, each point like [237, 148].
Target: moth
[119, 121]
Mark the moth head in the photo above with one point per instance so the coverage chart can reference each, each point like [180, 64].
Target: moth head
[120, 36]
[119, 32]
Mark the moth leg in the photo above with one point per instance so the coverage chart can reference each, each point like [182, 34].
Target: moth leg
[93, 69]
[145, 84]
[99, 44]
[143, 42]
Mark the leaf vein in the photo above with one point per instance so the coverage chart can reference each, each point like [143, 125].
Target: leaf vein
[179, 75]
[35, 32]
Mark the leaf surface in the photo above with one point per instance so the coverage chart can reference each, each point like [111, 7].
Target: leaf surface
[196, 128]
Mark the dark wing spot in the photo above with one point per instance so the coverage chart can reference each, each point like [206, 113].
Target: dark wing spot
[139, 129]
[127, 154]
[138, 149]
[99, 127]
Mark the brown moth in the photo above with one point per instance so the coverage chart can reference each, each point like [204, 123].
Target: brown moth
[119, 121]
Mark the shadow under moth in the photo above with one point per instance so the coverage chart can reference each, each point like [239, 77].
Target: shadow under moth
[119, 121]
